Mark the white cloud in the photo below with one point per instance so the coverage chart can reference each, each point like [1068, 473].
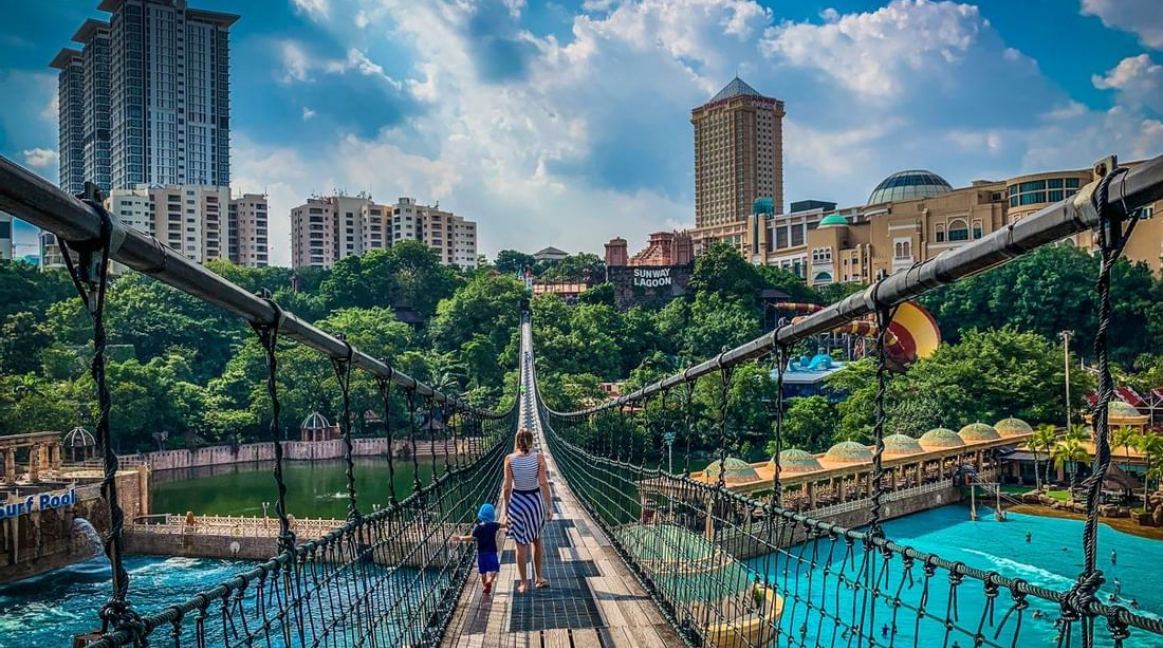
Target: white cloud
[1144, 18]
[308, 113]
[876, 53]
[574, 134]
[296, 63]
[1137, 78]
[314, 8]
[39, 157]
[51, 111]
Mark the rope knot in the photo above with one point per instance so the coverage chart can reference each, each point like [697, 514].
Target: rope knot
[1114, 620]
[991, 586]
[1079, 599]
[1016, 593]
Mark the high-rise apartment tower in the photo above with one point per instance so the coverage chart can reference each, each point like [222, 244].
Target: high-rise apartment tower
[146, 100]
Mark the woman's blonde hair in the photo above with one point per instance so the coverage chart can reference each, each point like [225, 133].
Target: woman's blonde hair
[524, 441]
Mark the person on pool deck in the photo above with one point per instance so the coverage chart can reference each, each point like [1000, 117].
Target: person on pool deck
[528, 505]
[484, 532]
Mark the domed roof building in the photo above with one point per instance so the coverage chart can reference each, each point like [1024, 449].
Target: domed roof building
[1120, 413]
[1008, 427]
[848, 452]
[794, 461]
[909, 185]
[833, 220]
[81, 443]
[940, 439]
[978, 432]
[900, 445]
[737, 471]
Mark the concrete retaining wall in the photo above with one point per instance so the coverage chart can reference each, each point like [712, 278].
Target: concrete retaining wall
[433, 553]
[42, 541]
[255, 452]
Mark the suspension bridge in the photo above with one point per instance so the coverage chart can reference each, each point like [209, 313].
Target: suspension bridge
[639, 556]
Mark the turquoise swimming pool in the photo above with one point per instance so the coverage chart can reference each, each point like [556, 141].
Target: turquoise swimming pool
[1052, 557]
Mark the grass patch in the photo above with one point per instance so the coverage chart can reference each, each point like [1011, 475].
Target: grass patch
[1060, 495]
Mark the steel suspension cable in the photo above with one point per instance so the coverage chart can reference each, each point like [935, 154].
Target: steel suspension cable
[342, 367]
[1112, 240]
[384, 384]
[90, 276]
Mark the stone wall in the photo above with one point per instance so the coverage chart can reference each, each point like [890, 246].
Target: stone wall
[648, 285]
[255, 452]
[433, 553]
[42, 541]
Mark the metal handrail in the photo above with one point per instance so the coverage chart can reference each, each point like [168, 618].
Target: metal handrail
[31, 198]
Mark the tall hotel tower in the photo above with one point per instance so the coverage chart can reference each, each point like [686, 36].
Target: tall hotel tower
[738, 154]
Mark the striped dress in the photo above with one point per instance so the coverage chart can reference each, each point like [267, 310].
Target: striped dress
[526, 507]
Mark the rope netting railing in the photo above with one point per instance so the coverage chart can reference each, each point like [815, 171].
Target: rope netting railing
[389, 578]
[730, 569]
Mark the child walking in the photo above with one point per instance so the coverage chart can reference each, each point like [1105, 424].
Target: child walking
[484, 532]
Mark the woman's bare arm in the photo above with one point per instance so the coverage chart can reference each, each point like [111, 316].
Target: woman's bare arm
[543, 481]
[506, 490]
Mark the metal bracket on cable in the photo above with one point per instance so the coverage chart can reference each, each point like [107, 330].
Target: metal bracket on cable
[90, 275]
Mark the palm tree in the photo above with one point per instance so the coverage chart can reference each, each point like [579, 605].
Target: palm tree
[1150, 444]
[1124, 436]
[1043, 437]
[1069, 452]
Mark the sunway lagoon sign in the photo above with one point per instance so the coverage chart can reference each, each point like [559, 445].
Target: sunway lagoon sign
[652, 277]
[38, 502]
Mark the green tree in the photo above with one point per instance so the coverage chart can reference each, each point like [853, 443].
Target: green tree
[487, 305]
[574, 267]
[22, 339]
[808, 424]
[1069, 452]
[512, 262]
[715, 322]
[602, 293]
[1051, 290]
[722, 271]
[1044, 438]
[1150, 444]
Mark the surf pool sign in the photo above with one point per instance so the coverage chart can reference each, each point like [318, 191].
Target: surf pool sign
[38, 502]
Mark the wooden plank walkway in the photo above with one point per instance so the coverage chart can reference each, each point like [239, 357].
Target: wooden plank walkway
[554, 616]
[593, 601]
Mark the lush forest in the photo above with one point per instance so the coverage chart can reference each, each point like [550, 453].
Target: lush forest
[181, 366]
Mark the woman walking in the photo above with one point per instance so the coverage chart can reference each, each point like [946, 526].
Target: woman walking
[527, 505]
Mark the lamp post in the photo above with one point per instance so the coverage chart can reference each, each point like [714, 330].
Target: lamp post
[1065, 337]
[668, 440]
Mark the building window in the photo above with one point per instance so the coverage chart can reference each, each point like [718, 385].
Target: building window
[940, 233]
[903, 249]
[958, 231]
[976, 229]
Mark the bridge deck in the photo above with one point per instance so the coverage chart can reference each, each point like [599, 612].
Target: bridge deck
[592, 600]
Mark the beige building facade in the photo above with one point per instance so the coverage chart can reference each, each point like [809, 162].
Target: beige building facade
[326, 229]
[913, 216]
[200, 222]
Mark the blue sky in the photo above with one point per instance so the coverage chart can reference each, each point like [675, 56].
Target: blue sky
[566, 122]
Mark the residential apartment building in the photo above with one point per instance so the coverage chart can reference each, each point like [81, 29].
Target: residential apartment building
[200, 222]
[247, 232]
[146, 100]
[5, 236]
[738, 142]
[326, 229]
